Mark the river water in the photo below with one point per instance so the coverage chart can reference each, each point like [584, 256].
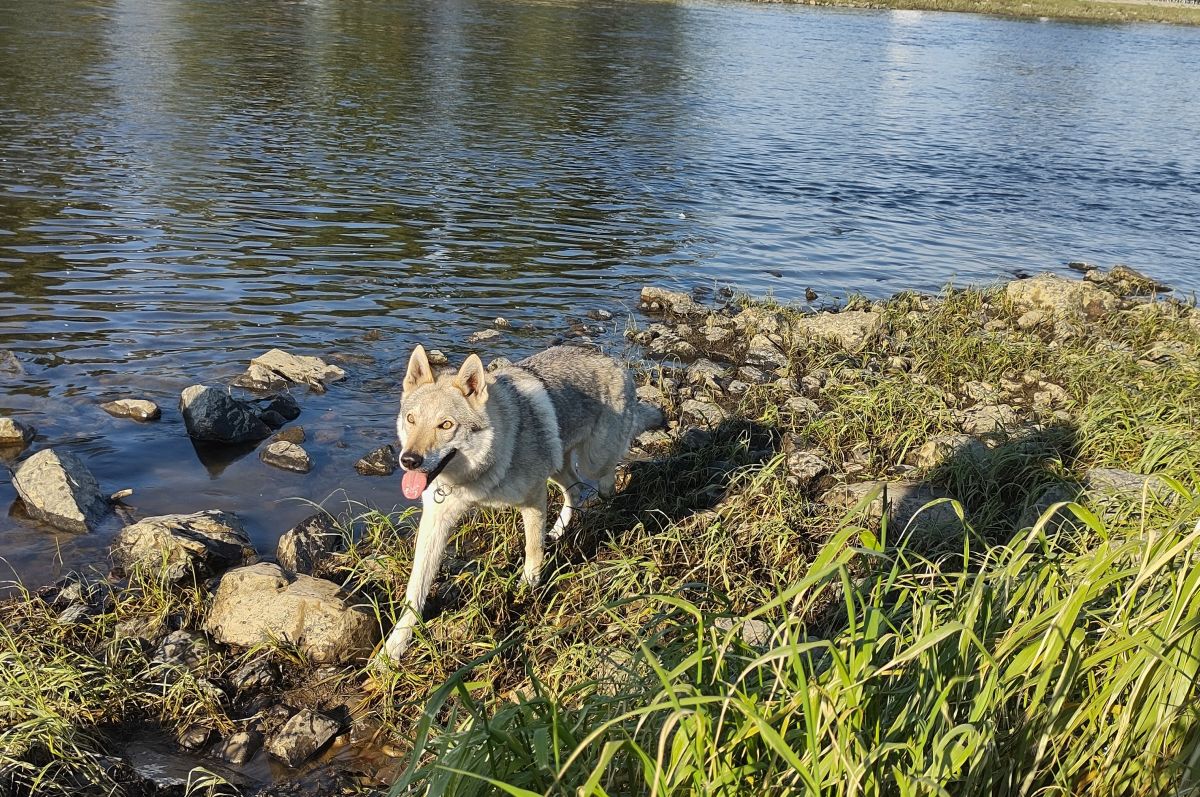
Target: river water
[184, 185]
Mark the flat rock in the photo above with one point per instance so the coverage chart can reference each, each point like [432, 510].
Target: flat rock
[302, 737]
[211, 414]
[804, 467]
[260, 603]
[58, 489]
[705, 373]
[309, 544]
[298, 369]
[904, 500]
[137, 409]
[1061, 297]
[258, 377]
[484, 335]
[286, 456]
[14, 433]
[380, 462]
[1123, 484]
[761, 352]
[200, 545]
[704, 412]
[674, 302]
[850, 329]
[937, 450]
[989, 419]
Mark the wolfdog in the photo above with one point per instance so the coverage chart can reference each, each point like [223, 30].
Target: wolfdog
[566, 415]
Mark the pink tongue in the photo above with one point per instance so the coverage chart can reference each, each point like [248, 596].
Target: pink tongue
[414, 484]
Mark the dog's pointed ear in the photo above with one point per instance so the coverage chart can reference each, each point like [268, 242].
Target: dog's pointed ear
[472, 379]
[419, 371]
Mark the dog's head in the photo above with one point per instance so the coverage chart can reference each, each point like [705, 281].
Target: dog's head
[439, 417]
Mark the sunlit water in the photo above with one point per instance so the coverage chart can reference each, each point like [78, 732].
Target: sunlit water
[184, 185]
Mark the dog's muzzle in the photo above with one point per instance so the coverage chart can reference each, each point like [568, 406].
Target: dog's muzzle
[415, 481]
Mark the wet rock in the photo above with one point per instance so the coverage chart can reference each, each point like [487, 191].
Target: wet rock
[309, 544]
[193, 737]
[674, 302]
[1031, 319]
[211, 414]
[302, 737]
[272, 419]
[850, 329]
[185, 649]
[484, 335]
[284, 405]
[58, 489]
[260, 603]
[437, 357]
[240, 747]
[258, 377]
[501, 322]
[255, 675]
[137, 409]
[755, 633]
[380, 462]
[293, 434]
[989, 419]
[599, 315]
[498, 363]
[938, 450]
[278, 365]
[1061, 297]
[904, 500]
[197, 545]
[15, 434]
[9, 364]
[704, 412]
[286, 456]
[168, 773]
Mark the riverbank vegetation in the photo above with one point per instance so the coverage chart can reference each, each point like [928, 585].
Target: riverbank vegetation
[932, 545]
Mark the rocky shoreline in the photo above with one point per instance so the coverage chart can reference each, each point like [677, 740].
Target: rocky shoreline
[191, 600]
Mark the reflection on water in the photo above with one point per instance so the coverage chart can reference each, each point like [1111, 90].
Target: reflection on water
[185, 185]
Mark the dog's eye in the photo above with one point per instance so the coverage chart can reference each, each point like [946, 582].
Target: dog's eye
[410, 419]
[446, 425]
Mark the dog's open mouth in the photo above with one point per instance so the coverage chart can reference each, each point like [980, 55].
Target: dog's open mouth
[415, 481]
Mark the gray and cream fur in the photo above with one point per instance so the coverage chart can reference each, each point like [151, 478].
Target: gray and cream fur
[566, 415]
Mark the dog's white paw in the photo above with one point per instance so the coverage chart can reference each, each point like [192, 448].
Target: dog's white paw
[532, 576]
[397, 643]
[556, 532]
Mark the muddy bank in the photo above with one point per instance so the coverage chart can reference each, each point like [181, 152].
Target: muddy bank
[239, 661]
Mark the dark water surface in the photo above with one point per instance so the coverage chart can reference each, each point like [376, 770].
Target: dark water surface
[186, 184]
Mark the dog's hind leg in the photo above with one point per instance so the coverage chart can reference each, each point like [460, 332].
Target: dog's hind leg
[534, 516]
[572, 496]
[438, 517]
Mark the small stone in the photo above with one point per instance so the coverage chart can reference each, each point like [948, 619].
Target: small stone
[293, 434]
[380, 462]
[501, 322]
[755, 633]
[599, 315]
[258, 377]
[302, 737]
[288, 456]
[683, 350]
[193, 737]
[805, 467]
[717, 335]
[652, 438]
[211, 414]
[810, 385]
[437, 357]
[705, 373]
[737, 387]
[981, 392]
[905, 500]
[255, 675]
[15, 433]
[484, 335]
[240, 747]
[58, 489]
[9, 364]
[995, 325]
[137, 409]
[309, 544]
[704, 412]
[185, 649]
[1049, 396]
[749, 373]
[652, 394]
[799, 406]
[759, 320]
[937, 450]
[762, 352]
[1031, 319]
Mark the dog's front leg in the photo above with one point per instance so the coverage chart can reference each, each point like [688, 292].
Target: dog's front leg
[534, 516]
[438, 516]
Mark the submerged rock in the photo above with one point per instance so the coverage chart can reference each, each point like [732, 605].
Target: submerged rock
[302, 737]
[278, 366]
[137, 409]
[261, 603]
[201, 544]
[293, 434]
[1061, 297]
[58, 489]
[380, 462]
[306, 546]
[850, 329]
[212, 415]
[15, 434]
[287, 456]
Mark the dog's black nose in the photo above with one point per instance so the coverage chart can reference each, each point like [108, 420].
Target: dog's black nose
[411, 460]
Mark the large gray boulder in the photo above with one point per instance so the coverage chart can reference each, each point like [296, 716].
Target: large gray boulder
[198, 545]
[1061, 297]
[212, 415]
[850, 329]
[58, 489]
[263, 603]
